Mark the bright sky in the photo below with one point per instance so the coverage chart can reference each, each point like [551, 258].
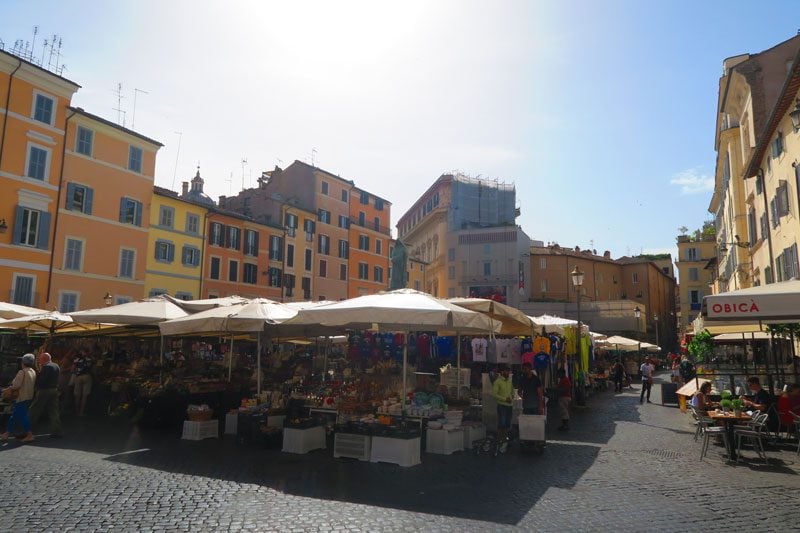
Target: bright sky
[602, 113]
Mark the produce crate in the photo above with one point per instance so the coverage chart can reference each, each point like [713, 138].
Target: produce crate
[208, 429]
[444, 441]
[352, 445]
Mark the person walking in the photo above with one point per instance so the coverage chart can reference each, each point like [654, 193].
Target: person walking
[618, 373]
[647, 369]
[23, 384]
[46, 398]
[564, 398]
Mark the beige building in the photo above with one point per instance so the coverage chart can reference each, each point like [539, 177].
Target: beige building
[750, 207]
[462, 231]
[694, 255]
[612, 289]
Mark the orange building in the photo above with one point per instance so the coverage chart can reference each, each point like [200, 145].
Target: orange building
[101, 225]
[33, 113]
[241, 257]
[370, 238]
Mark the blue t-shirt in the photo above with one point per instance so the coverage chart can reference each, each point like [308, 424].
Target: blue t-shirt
[541, 361]
[444, 347]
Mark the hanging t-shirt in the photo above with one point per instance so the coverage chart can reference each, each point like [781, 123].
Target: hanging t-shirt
[555, 344]
[515, 345]
[444, 347]
[570, 341]
[527, 345]
[503, 351]
[528, 358]
[541, 361]
[479, 349]
[491, 351]
[541, 344]
[424, 346]
[388, 339]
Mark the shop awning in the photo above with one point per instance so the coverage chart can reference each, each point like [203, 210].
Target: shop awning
[754, 336]
[512, 320]
[775, 302]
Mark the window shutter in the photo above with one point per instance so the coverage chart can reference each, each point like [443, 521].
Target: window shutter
[196, 261]
[122, 209]
[138, 213]
[795, 262]
[255, 243]
[227, 231]
[18, 229]
[184, 255]
[170, 252]
[44, 231]
[70, 195]
[88, 201]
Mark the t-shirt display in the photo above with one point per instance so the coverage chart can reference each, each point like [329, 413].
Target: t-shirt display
[479, 349]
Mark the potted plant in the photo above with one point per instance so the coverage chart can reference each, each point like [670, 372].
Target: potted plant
[738, 405]
[726, 403]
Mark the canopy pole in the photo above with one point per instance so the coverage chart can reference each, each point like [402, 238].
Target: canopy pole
[230, 360]
[325, 358]
[405, 370]
[458, 366]
[161, 361]
[258, 365]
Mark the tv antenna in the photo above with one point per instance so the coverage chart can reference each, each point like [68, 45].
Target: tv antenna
[177, 154]
[244, 164]
[118, 109]
[33, 42]
[135, 93]
[230, 184]
[313, 157]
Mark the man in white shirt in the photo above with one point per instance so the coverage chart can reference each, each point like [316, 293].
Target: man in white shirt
[647, 369]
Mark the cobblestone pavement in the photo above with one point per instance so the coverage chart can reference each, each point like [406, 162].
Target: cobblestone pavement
[623, 465]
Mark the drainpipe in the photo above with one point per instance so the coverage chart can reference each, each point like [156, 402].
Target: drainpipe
[5, 113]
[58, 205]
[203, 251]
[760, 176]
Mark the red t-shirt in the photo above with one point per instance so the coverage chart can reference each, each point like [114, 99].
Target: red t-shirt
[564, 388]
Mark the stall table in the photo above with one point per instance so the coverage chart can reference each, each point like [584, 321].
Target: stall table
[444, 441]
[303, 440]
[396, 450]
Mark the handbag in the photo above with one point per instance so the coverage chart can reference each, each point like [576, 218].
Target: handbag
[10, 394]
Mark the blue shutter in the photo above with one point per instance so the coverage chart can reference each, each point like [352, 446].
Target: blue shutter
[170, 252]
[70, 195]
[18, 229]
[138, 213]
[255, 252]
[44, 231]
[122, 209]
[88, 201]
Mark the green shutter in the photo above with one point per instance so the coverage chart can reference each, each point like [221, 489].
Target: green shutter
[43, 243]
[18, 228]
[70, 195]
[88, 201]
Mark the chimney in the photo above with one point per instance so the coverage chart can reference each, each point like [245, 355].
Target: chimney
[577, 249]
[185, 188]
[607, 254]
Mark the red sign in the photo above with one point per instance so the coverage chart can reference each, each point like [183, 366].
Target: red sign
[735, 308]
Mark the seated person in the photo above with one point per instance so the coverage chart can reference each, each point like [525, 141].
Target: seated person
[761, 399]
[789, 403]
[700, 399]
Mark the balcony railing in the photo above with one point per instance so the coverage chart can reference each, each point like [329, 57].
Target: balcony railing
[370, 225]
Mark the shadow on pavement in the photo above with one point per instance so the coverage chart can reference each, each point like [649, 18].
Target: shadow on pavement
[500, 490]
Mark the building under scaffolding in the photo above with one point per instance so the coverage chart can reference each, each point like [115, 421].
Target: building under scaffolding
[481, 203]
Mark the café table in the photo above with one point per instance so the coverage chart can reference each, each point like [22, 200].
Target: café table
[729, 420]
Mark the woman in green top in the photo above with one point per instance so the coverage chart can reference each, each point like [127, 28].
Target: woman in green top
[503, 392]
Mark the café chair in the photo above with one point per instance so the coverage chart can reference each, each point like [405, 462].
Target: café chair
[756, 435]
[716, 431]
[796, 429]
[701, 422]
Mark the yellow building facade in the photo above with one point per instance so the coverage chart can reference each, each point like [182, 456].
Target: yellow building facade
[695, 278]
[175, 246]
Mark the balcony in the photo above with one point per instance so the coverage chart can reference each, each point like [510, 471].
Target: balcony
[354, 221]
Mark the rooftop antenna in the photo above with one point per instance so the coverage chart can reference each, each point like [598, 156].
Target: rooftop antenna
[58, 54]
[44, 51]
[2, 45]
[33, 43]
[230, 184]
[135, 92]
[244, 163]
[177, 154]
[52, 50]
[313, 157]
[118, 109]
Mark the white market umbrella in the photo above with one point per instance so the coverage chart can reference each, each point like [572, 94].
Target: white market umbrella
[196, 306]
[622, 344]
[49, 322]
[772, 302]
[556, 324]
[400, 310]
[9, 310]
[692, 386]
[148, 312]
[512, 320]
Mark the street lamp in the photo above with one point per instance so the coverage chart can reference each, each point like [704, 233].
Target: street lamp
[108, 299]
[655, 317]
[794, 114]
[577, 281]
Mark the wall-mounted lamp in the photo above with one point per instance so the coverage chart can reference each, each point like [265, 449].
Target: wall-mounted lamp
[723, 246]
[108, 299]
[794, 114]
[3, 225]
